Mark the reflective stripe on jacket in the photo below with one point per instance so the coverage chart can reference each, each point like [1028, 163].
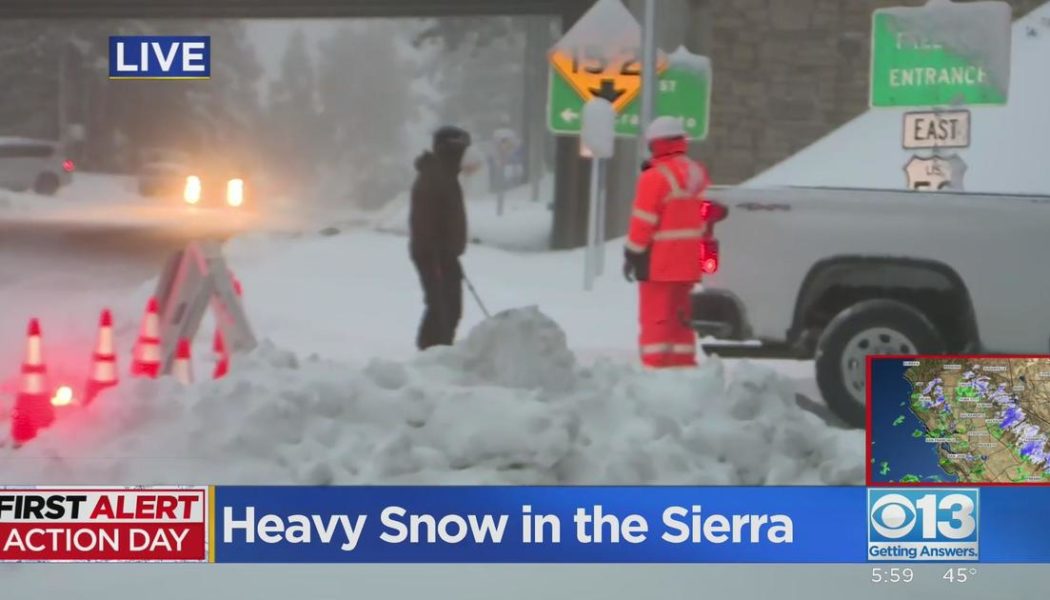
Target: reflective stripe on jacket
[666, 220]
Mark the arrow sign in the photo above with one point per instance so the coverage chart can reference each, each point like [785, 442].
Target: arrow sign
[601, 57]
[607, 91]
[684, 92]
[568, 115]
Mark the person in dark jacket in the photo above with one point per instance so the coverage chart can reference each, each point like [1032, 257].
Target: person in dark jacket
[438, 235]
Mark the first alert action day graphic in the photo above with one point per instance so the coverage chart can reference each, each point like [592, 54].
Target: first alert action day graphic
[104, 524]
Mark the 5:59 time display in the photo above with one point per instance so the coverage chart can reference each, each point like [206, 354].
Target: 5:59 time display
[892, 575]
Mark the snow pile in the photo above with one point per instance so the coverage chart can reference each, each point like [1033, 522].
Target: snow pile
[508, 405]
[598, 129]
[682, 58]
[1008, 146]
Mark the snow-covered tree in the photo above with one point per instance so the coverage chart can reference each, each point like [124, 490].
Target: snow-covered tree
[292, 116]
[367, 102]
[43, 61]
[479, 71]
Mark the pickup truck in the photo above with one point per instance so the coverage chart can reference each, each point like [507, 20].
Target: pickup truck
[836, 274]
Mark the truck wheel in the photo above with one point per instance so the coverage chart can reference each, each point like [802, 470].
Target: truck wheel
[46, 184]
[872, 327]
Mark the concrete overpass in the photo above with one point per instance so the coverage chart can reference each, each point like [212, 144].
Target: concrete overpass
[571, 181]
[282, 8]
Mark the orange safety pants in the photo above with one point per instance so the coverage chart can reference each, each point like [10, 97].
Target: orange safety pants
[664, 311]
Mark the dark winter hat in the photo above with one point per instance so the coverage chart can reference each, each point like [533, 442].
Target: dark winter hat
[451, 137]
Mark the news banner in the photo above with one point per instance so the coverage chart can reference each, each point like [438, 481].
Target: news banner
[448, 524]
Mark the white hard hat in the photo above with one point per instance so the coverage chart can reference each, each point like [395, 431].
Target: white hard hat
[664, 128]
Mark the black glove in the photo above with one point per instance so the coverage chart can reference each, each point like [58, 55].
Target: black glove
[635, 266]
[628, 271]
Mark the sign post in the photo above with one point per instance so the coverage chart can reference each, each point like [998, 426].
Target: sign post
[603, 199]
[649, 82]
[598, 141]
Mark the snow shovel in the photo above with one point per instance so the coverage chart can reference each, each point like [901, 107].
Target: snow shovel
[473, 292]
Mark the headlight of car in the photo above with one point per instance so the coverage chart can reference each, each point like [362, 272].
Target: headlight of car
[235, 192]
[192, 192]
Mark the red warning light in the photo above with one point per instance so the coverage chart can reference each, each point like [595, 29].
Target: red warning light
[712, 211]
[709, 256]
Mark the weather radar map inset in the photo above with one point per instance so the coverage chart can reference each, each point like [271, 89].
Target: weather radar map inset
[959, 420]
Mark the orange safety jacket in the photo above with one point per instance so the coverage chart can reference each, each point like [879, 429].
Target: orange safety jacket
[666, 221]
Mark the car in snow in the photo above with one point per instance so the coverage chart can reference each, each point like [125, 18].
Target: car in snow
[836, 275]
[214, 182]
[162, 172]
[32, 164]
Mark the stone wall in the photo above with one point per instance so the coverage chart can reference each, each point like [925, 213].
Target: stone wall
[786, 72]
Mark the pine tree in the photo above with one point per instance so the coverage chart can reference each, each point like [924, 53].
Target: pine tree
[293, 119]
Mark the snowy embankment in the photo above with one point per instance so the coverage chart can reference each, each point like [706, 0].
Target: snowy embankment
[86, 189]
[519, 400]
[507, 405]
[96, 201]
[1009, 143]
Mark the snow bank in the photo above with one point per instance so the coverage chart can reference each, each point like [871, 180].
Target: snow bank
[1008, 147]
[508, 405]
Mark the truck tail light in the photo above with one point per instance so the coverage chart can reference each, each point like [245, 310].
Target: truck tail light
[713, 212]
[709, 256]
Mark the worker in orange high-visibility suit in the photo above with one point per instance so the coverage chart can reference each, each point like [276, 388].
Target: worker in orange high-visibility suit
[664, 245]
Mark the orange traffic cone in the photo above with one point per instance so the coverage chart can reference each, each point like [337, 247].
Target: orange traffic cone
[183, 367]
[222, 358]
[146, 359]
[33, 410]
[103, 361]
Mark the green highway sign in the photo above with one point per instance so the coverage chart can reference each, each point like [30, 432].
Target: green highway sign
[942, 54]
[684, 91]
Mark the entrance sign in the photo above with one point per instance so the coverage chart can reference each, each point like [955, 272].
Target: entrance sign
[941, 54]
[935, 173]
[937, 129]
